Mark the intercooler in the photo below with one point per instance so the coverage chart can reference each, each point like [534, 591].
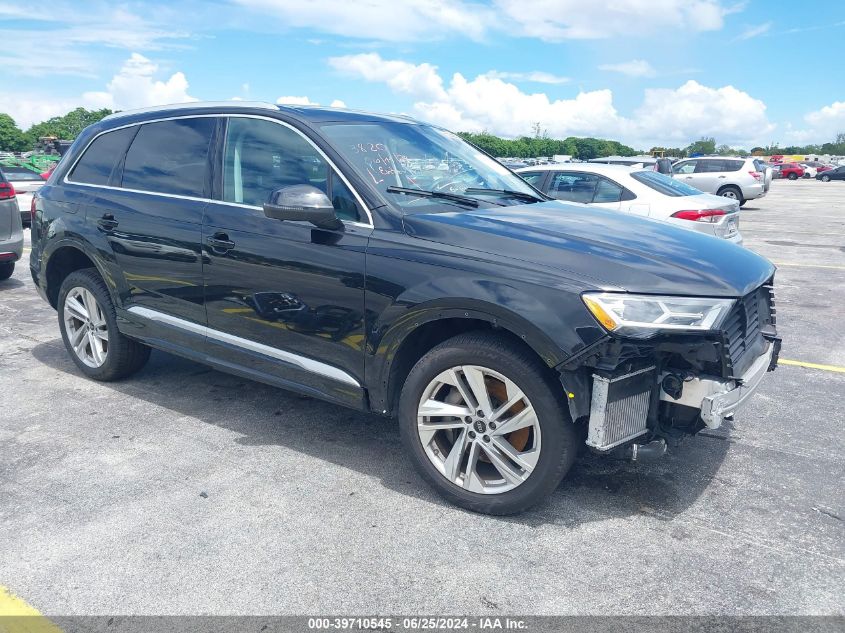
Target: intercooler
[619, 408]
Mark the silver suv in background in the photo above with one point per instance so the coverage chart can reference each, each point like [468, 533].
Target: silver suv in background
[736, 178]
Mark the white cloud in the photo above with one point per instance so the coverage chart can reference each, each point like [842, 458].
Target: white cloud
[68, 32]
[755, 31]
[295, 101]
[551, 20]
[135, 86]
[822, 125]
[666, 116]
[633, 68]
[556, 20]
[386, 20]
[534, 76]
[337, 103]
[420, 80]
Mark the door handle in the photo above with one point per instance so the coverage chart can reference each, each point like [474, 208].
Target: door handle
[220, 242]
[107, 222]
[722, 176]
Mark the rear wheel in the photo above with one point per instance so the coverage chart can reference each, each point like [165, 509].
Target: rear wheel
[89, 329]
[6, 270]
[731, 192]
[485, 424]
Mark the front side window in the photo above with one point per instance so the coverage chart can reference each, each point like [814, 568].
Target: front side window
[261, 156]
[102, 156]
[170, 157]
[685, 168]
[573, 186]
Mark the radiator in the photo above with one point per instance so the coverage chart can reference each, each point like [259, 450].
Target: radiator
[619, 408]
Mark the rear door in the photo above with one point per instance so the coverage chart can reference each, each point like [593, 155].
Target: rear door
[150, 217]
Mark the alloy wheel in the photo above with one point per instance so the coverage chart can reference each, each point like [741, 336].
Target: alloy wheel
[86, 327]
[478, 429]
[730, 193]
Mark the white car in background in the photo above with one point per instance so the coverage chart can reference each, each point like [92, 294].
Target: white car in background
[809, 170]
[26, 182]
[640, 192]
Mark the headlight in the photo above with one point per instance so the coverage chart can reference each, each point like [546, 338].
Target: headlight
[641, 315]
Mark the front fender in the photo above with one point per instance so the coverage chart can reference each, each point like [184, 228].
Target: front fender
[553, 323]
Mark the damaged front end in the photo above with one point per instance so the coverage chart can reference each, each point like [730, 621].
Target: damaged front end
[669, 367]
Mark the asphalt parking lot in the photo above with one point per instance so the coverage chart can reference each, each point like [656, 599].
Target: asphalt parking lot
[184, 490]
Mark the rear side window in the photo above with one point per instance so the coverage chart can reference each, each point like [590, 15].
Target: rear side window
[170, 157]
[709, 166]
[102, 156]
[574, 187]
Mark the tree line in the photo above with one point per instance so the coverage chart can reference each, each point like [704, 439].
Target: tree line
[13, 139]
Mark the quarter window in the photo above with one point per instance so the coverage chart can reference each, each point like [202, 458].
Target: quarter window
[102, 156]
[534, 178]
[607, 191]
[170, 157]
[262, 156]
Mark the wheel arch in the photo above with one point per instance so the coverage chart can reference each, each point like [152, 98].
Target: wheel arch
[418, 331]
[64, 258]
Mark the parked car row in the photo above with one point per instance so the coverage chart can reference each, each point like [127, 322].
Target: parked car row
[641, 192]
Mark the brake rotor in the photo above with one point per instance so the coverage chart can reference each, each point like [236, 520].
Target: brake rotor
[498, 389]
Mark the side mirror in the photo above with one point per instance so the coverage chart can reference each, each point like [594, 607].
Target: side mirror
[303, 203]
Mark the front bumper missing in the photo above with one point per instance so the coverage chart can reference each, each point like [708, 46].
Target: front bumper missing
[719, 399]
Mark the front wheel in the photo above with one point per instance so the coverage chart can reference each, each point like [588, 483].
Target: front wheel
[793, 176]
[485, 424]
[825, 178]
[89, 329]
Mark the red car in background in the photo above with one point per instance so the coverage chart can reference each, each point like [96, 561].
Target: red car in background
[793, 171]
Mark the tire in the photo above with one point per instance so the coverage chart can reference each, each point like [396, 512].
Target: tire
[6, 270]
[825, 178]
[732, 192]
[550, 437]
[84, 292]
[793, 176]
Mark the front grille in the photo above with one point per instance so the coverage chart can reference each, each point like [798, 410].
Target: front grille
[743, 331]
[619, 408]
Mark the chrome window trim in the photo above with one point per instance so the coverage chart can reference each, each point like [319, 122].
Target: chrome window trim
[220, 115]
[303, 362]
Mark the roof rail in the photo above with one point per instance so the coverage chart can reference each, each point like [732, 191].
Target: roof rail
[194, 104]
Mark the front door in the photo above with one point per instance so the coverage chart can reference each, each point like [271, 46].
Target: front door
[284, 299]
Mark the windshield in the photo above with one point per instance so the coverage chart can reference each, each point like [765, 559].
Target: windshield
[421, 157]
[664, 184]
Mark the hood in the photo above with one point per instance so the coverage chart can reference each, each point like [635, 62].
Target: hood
[605, 248]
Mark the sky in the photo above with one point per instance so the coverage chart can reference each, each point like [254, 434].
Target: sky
[645, 72]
